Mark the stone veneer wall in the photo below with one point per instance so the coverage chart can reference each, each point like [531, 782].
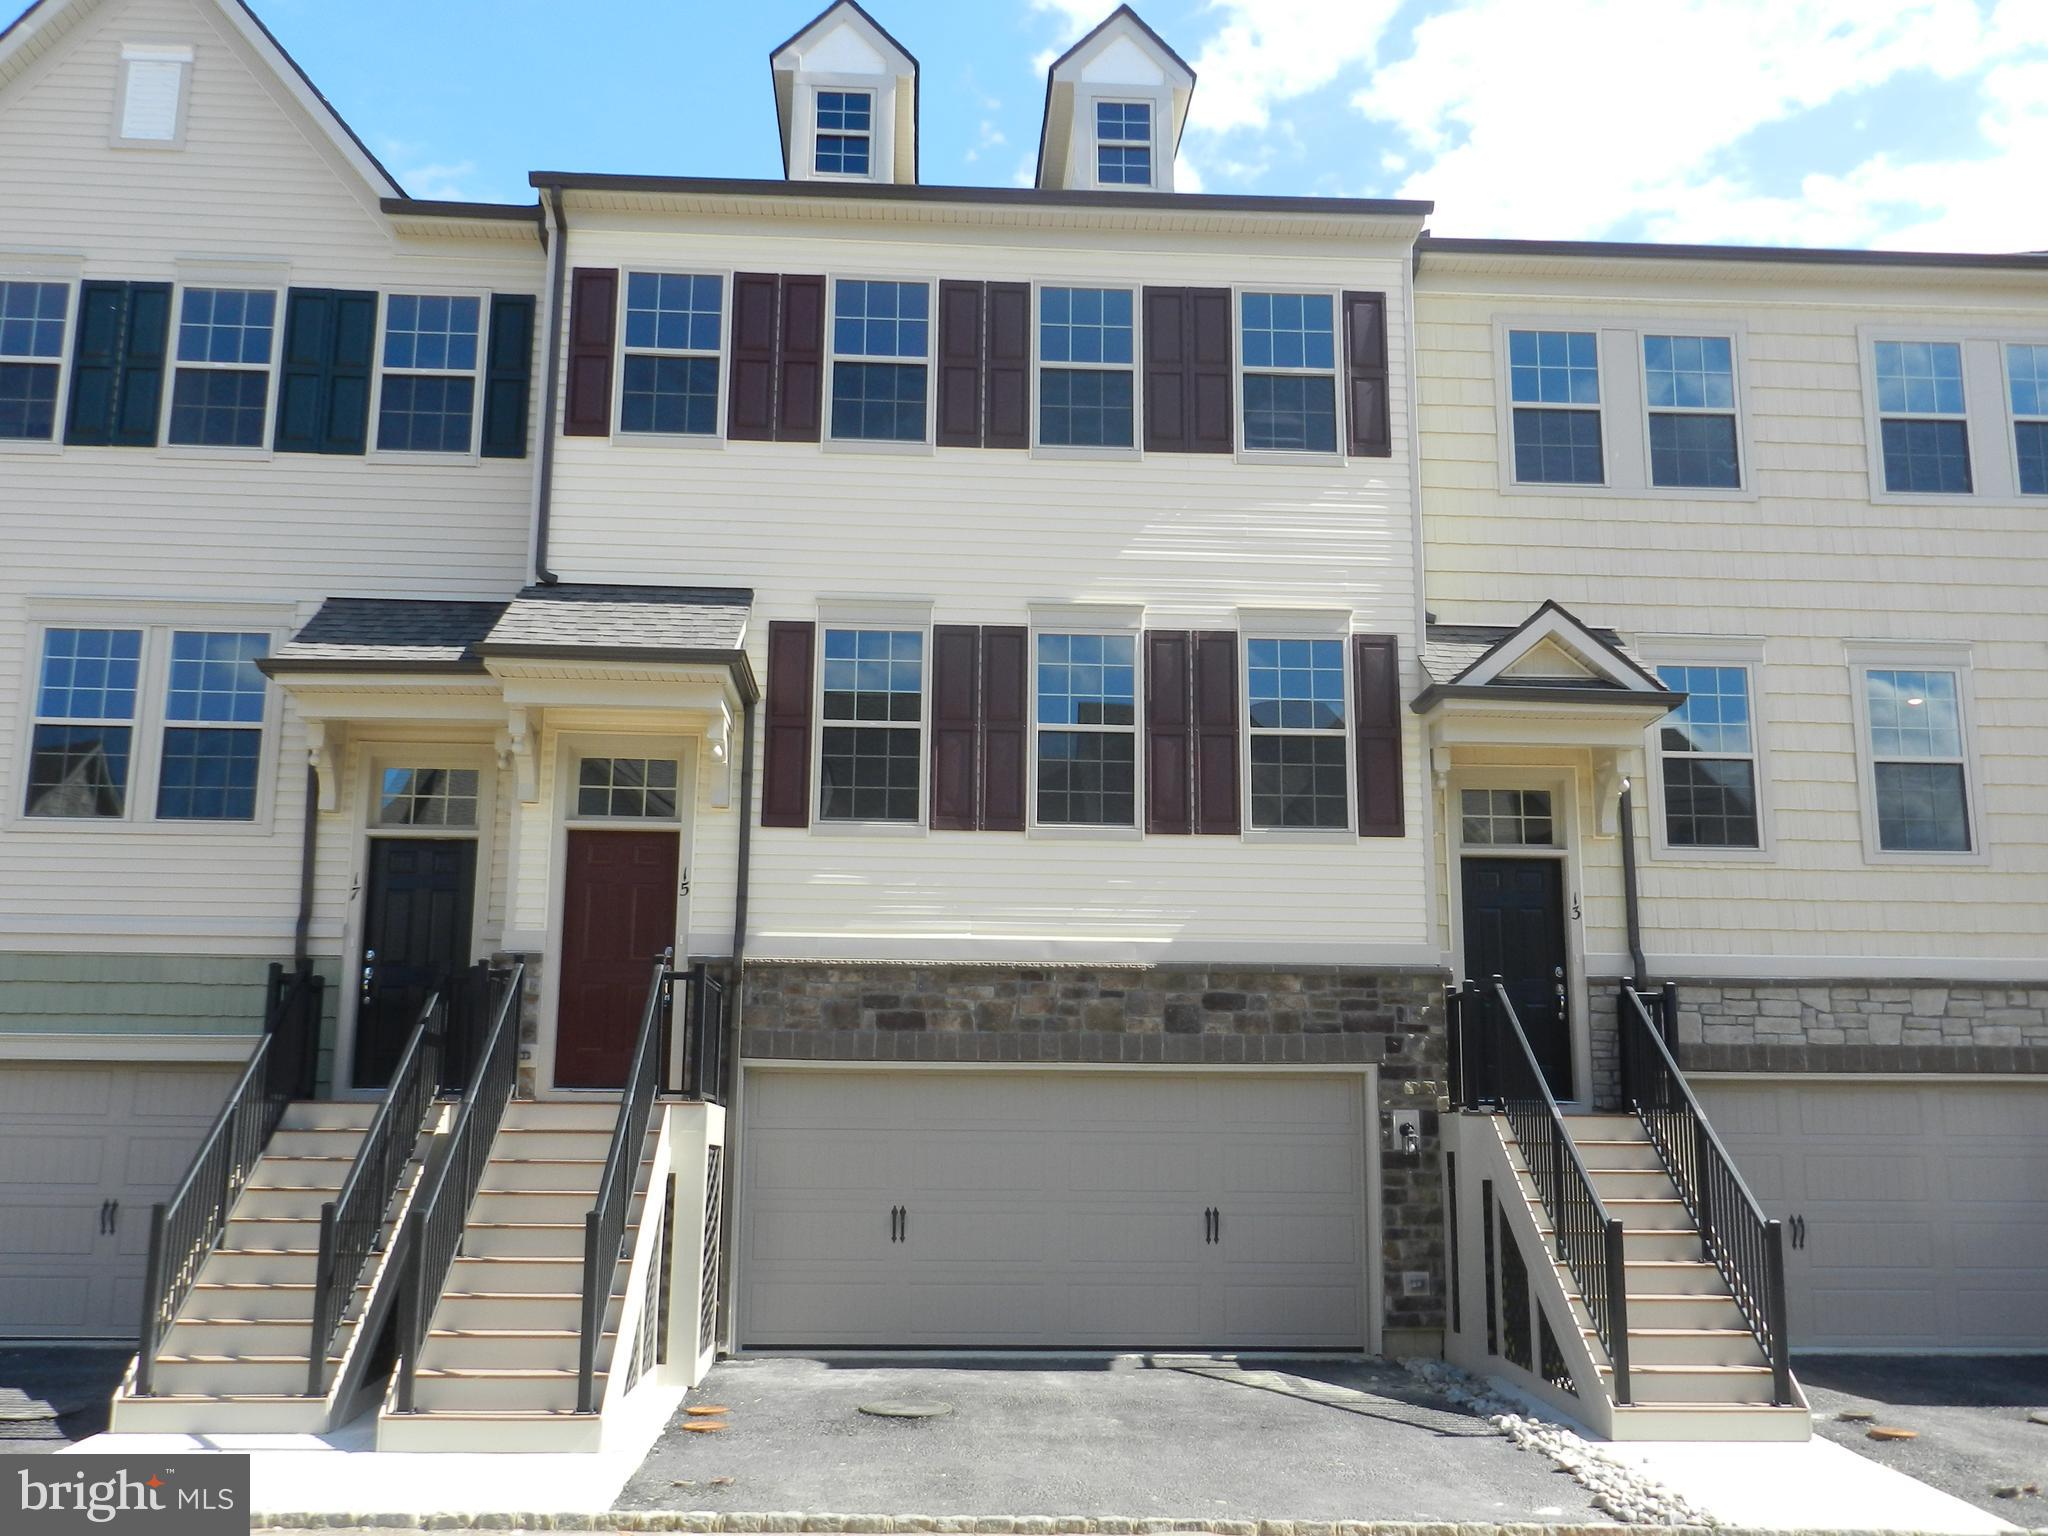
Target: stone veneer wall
[1164, 1015]
[1842, 1026]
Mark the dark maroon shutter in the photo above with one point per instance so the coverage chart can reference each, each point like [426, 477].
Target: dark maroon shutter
[593, 323]
[956, 698]
[1169, 790]
[1378, 686]
[1365, 365]
[750, 404]
[1216, 732]
[1005, 733]
[1210, 385]
[1166, 353]
[800, 387]
[786, 771]
[1007, 390]
[959, 391]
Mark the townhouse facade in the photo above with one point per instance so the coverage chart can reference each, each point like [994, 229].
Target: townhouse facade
[1086, 666]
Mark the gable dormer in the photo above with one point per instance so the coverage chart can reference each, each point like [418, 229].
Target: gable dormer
[846, 101]
[1115, 104]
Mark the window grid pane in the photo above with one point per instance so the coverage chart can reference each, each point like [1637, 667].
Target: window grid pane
[1916, 746]
[28, 401]
[226, 325]
[874, 675]
[1290, 412]
[1920, 378]
[1553, 368]
[669, 394]
[1926, 456]
[428, 797]
[878, 402]
[429, 406]
[1294, 411]
[1299, 781]
[1557, 447]
[1296, 685]
[219, 407]
[673, 312]
[1087, 778]
[89, 674]
[214, 678]
[1922, 808]
[1689, 373]
[639, 787]
[2032, 438]
[1507, 818]
[432, 332]
[844, 133]
[209, 774]
[1091, 408]
[1085, 325]
[78, 770]
[426, 413]
[1914, 714]
[881, 319]
[2026, 369]
[32, 319]
[869, 773]
[1715, 716]
[1694, 451]
[1710, 802]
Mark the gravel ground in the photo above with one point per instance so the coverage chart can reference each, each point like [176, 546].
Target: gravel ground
[1293, 1441]
[53, 1395]
[1971, 1411]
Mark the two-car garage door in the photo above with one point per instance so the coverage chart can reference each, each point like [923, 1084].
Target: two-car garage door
[85, 1149]
[1923, 1206]
[1034, 1209]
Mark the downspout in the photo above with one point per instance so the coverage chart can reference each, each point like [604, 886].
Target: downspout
[544, 490]
[308, 843]
[733, 1109]
[1628, 884]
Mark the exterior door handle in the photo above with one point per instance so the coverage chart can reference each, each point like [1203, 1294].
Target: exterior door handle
[1217, 1223]
[113, 1216]
[103, 1216]
[369, 972]
[895, 1212]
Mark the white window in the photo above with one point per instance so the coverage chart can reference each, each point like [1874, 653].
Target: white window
[1554, 384]
[1708, 760]
[1506, 818]
[428, 797]
[1916, 755]
[632, 788]
[121, 711]
[2026, 367]
[881, 361]
[1086, 368]
[432, 353]
[151, 109]
[32, 316]
[1086, 712]
[1299, 747]
[844, 141]
[1923, 420]
[1123, 143]
[1287, 350]
[220, 393]
[871, 736]
[669, 376]
[1690, 384]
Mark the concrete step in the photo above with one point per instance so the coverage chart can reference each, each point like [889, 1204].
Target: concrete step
[504, 1391]
[1652, 1384]
[552, 1349]
[517, 1309]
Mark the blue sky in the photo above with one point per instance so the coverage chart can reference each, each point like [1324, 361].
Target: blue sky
[1901, 123]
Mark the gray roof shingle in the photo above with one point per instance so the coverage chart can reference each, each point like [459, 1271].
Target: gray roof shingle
[384, 629]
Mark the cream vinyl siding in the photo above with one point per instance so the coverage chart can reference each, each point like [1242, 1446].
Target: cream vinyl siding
[1810, 563]
[255, 181]
[985, 534]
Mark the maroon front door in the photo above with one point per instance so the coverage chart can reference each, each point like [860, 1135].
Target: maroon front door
[618, 913]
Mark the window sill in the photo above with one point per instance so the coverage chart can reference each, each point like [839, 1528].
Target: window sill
[1931, 860]
[1057, 833]
[216, 452]
[413, 456]
[111, 826]
[1662, 853]
[1608, 492]
[10, 446]
[1057, 451]
[886, 447]
[821, 828]
[696, 440]
[1288, 458]
[1302, 837]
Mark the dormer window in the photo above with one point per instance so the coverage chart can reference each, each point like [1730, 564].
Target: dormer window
[1123, 143]
[845, 133]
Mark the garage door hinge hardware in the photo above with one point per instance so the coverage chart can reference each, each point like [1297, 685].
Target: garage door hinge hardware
[1798, 1225]
[1212, 1225]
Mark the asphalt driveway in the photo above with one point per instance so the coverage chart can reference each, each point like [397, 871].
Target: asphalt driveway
[53, 1395]
[1295, 1440]
[1971, 1414]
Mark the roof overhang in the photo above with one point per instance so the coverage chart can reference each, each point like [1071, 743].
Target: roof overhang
[1552, 680]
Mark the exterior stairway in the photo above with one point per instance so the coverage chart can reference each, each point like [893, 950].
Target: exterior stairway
[501, 1350]
[235, 1358]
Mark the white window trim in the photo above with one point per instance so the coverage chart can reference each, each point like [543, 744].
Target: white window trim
[1987, 407]
[1866, 656]
[880, 617]
[717, 437]
[1108, 624]
[803, 152]
[1296, 624]
[1150, 143]
[67, 275]
[157, 620]
[278, 288]
[1334, 373]
[1746, 653]
[1086, 95]
[1624, 407]
[1733, 411]
[1044, 450]
[2012, 418]
[900, 447]
[872, 135]
[476, 375]
[180, 53]
[643, 751]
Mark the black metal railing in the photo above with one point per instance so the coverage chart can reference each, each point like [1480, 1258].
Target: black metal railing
[1743, 1243]
[604, 1226]
[1494, 1067]
[184, 1229]
[353, 1221]
[703, 1036]
[433, 1231]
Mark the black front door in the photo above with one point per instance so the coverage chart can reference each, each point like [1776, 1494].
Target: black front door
[1514, 929]
[416, 936]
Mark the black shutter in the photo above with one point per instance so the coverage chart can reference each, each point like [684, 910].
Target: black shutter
[786, 749]
[956, 716]
[1005, 725]
[959, 393]
[1377, 683]
[117, 364]
[508, 376]
[323, 387]
[1169, 737]
[138, 400]
[1365, 363]
[800, 371]
[1006, 414]
[1166, 374]
[593, 331]
[750, 394]
[1216, 722]
[1210, 385]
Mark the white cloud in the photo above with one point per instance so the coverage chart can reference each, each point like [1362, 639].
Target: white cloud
[1569, 118]
[987, 138]
[1268, 53]
[424, 177]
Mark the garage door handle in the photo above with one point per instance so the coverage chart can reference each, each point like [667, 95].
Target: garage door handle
[903, 1223]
